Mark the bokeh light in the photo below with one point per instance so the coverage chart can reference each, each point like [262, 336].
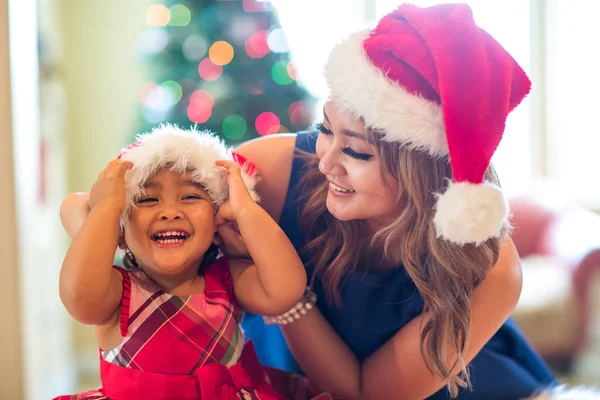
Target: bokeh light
[209, 71]
[283, 129]
[220, 53]
[157, 15]
[276, 41]
[256, 46]
[145, 92]
[279, 73]
[291, 71]
[267, 123]
[299, 114]
[154, 116]
[194, 48]
[240, 27]
[175, 91]
[155, 40]
[188, 86]
[234, 127]
[156, 98]
[200, 106]
[202, 98]
[180, 15]
[199, 116]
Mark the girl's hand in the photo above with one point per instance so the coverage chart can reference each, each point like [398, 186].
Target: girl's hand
[109, 189]
[239, 197]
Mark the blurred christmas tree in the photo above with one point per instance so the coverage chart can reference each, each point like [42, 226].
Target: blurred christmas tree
[223, 65]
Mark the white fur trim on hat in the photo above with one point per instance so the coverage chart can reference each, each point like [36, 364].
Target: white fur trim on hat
[179, 150]
[562, 393]
[357, 86]
[470, 213]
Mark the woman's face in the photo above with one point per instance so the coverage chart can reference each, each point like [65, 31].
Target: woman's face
[357, 188]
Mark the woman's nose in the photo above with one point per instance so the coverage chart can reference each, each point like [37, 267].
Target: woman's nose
[329, 163]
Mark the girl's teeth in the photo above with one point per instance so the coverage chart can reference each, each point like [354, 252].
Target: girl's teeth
[171, 237]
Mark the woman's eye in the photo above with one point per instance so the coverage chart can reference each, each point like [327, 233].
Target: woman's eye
[359, 156]
[321, 128]
[346, 150]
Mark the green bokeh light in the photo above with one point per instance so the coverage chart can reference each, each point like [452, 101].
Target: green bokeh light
[180, 15]
[279, 73]
[174, 90]
[234, 127]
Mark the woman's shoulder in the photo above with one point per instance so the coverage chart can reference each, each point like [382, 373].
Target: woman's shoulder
[274, 159]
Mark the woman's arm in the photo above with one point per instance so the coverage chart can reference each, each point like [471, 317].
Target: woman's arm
[73, 212]
[397, 369]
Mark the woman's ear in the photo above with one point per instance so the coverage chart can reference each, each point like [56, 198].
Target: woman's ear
[121, 240]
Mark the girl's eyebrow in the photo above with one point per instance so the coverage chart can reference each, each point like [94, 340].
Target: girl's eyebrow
[189, 182]
[152, 185]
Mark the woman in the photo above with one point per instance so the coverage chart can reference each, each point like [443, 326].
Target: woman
[413, 274]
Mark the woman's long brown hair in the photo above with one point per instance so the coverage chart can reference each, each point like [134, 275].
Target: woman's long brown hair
[444, 273]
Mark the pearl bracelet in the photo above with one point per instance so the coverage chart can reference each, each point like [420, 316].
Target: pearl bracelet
[306, 304]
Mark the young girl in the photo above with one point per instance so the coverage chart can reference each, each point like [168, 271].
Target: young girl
[168, 325]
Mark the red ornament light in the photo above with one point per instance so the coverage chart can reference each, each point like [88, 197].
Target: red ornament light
[256, 46]
[267, 123]
[209, 71]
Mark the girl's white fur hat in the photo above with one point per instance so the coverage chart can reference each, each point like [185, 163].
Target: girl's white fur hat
[179, 150]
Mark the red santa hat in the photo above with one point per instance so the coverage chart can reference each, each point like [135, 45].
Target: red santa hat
[432, 80]
[182, 150]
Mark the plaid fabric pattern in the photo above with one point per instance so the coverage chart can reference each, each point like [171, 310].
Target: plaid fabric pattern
[177, 335]
[173, 343]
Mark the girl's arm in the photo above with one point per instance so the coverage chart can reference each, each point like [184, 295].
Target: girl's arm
[90, 288]
[397, 369]
[276, 280]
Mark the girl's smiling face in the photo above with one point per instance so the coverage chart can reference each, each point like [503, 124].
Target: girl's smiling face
[171, 226]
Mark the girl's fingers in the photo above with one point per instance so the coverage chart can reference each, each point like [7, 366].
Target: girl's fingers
[231, 166]
[123, 166]
[115, 168]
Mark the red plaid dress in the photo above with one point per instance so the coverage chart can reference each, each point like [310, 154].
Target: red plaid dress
[180, 348]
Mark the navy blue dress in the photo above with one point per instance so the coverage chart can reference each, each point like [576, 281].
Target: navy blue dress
[377, 305]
